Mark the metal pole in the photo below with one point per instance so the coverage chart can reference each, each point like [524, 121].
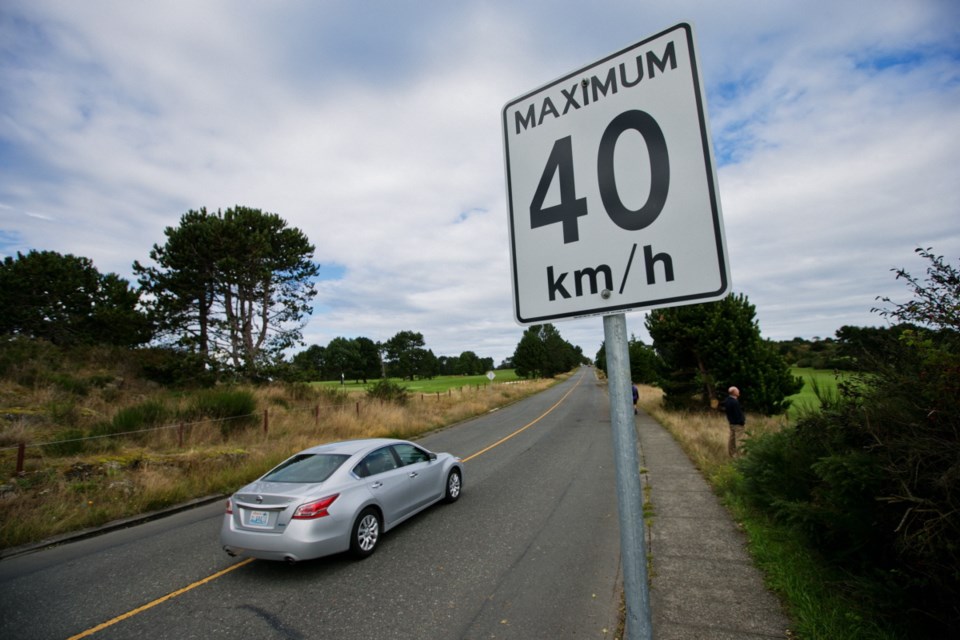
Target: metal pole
[629, 493]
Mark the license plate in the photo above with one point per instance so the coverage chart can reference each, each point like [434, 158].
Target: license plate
[259, 519]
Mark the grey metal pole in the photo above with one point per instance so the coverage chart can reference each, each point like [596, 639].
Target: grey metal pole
[629, 492]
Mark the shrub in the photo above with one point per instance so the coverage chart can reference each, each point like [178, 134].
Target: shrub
[64, 411]
[68, 442]
[873, 481]
[173, 368]
[299, 391]
[387, 391]
[234, 408]
[152, 413]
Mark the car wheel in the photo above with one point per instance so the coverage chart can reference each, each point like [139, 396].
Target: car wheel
[366, 533]
[454, 486]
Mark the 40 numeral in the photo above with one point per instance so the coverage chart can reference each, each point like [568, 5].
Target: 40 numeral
[571, 208]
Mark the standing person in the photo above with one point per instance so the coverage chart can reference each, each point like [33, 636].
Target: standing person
[735, 417]
[636, 396]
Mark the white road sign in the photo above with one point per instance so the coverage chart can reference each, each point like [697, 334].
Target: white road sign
[611, 187]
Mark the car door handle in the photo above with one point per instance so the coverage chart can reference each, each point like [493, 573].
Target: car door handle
[414, 474]
[376, 485]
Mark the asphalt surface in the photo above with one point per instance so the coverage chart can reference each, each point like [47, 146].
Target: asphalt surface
[704, 583]
[530, 550]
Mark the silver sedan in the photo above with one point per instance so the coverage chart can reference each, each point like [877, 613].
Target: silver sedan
[337, 497]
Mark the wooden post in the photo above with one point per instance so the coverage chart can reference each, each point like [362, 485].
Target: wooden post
[266, 421]
[180, 436]
[21, 451]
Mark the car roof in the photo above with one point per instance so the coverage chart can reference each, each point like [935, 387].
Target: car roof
[351, 447]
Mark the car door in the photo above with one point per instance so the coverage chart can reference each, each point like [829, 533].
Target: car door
[424, 473]
[387, 481]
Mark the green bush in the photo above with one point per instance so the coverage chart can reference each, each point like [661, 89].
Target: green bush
[235, 409]
[299, 391]
[68, 442]
[873, 480]
[173, 368]
[387, 391]
[64, 411]
[152, 413]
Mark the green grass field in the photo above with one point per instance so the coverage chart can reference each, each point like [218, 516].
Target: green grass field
[824, 379]
[440, 384]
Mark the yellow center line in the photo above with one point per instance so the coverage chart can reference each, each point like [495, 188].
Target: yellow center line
[526, 426]
[150, 605]
[174, 594]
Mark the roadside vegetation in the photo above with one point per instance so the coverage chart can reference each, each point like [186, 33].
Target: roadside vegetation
[806, 584]
[181, 445]
[852, 503]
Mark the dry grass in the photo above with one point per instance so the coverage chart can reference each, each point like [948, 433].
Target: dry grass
[703, 435]
[118, 477]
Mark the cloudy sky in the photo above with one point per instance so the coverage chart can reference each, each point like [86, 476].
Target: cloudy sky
[374, 127]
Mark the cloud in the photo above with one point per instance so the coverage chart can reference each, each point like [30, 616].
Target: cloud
[375, 128]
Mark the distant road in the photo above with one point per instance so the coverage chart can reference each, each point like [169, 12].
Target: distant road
[531, 550]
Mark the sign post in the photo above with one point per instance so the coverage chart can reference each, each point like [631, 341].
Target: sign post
[633, 547]
[613, 207]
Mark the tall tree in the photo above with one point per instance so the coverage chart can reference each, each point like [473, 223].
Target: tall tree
[233, 287]
[371, 365]
[183, 287]
[404, 354]
[706, 348]
[644, 362]
[343, 358]
[66, 300]
[310, 363]
[543, 353]
[469, 364]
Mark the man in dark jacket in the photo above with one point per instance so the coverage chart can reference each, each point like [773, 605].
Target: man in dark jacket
[735, 417]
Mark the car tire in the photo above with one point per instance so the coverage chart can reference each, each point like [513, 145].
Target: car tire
[454, 486]
[366, 533]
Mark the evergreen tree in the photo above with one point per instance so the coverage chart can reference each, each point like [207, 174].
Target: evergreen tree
[405, 354]
[706, 348]
[370, 365]
[644, 361]
[232, 287]
[66, 300]
[543, 353]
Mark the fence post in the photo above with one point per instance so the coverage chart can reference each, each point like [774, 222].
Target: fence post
[316, 416]
[180, 436]
[266, 421]
[358, 408]
[21, 450]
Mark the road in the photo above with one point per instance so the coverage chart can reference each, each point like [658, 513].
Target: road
[531, 550]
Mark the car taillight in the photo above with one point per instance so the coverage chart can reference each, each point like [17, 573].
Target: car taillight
[315, 509]
[229, 507]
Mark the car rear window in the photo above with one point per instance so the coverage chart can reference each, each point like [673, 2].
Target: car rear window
[306, 468]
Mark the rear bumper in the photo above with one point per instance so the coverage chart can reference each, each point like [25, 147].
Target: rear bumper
[302, 540]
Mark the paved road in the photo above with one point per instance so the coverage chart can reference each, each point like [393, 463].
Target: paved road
[531, 550]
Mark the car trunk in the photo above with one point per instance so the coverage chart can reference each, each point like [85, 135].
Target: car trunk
[269, 506]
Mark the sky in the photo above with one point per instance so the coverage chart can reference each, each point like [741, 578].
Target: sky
[375, 128]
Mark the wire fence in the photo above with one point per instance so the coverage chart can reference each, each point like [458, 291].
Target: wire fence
[182, 428]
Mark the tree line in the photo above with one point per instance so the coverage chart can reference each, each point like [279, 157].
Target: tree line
[360, 359]
[225, 296]
[701, 350]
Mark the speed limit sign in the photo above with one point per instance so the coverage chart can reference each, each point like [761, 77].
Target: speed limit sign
[611, 187]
